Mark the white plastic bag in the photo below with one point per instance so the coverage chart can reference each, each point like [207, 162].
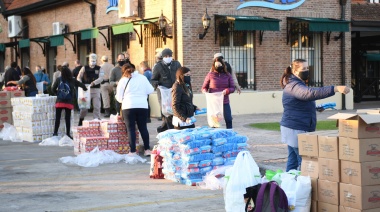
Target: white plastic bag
[52, 141]
[244, 173]
[66, 141]
[84, 98]
[214, 179]
[40, 87]
[166, 100]
[9, 132]
[298, 191]
[214, 109]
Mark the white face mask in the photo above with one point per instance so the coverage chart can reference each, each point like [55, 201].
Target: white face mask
[167, 60]
[92, 63]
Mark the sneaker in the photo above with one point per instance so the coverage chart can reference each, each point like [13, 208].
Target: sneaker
[147, 153]
[132, 154]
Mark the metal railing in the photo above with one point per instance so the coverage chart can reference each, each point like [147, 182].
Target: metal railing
[152, 41]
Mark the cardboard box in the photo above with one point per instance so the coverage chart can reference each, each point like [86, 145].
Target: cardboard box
[329, 169]
[309, 167]
[359, 197]
[326, 207]
[6, 111]
[17, 93]
[328, 146]
[328, 192]
[314, 206]
[308, 144]
[5, 103]
[361, 125]
[6, 117]
[360, 174]
[347, 209]
[359, 150]
[5, 95]
[314, 189]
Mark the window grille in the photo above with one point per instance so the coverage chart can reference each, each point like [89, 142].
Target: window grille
[120, 43]
[152, 41]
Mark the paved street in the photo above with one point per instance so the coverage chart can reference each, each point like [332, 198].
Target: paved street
[32, 178]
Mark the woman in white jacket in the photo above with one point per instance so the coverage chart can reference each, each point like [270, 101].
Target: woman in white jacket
[132, 92]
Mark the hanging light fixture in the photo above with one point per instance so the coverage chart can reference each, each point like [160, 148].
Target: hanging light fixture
[206, 24]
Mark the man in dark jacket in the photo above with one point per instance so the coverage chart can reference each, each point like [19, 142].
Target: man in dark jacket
[164, 74]
[11, 75]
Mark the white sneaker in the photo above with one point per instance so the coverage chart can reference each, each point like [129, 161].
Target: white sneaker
[147, 152]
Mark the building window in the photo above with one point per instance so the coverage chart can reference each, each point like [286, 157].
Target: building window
[238, 50]
[25, 57]
[83, 49]
[307, 45]
[152, 41]
[120, 43]
[51, 62]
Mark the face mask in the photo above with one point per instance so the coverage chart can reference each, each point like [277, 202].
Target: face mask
[39, 71]
[121, 63]
[304, 75]
[92, 63]
[127, 61]
[220, 69]
[187, 79]
[167, 60]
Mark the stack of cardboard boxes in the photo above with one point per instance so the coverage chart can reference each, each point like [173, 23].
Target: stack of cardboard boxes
[344, 166]
[6, 107]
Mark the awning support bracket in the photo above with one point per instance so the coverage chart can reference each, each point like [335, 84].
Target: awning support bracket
[328, 35]
[74, 49]
[261, 36]
[42, 47]
[107, 40]
[138, 35]
[338, 37]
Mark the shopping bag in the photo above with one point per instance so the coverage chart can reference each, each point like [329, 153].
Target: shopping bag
[40, 87]
[84, 98]
[298, 191]
[166, 100]
[214, 109]
[245, 173]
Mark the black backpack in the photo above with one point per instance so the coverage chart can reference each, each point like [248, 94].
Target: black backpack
[64, 91]
[267, 197]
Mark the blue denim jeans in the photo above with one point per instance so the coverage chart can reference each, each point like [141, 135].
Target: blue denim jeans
[227, 115]
[294, 159]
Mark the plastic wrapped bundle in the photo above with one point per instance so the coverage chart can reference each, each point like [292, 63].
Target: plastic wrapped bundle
[217, 161]
[222, 133]
[205, 163]
[183, 138]
[230, 154]
[229, 161]
[237, 139]
[205, 149]
[240, 146]
[218, 141]
[198, 157]
[191, 182]
[196, 143]
[223, 148]
[194, 151]
[204, 170]
[202, 134]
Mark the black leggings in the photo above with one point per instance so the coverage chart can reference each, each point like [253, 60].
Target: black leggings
[139, 116]
[58, 112]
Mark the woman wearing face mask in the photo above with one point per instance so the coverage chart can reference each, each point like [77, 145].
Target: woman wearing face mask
[41, 77]
[182, 100]
[298, 101]
[219, 80]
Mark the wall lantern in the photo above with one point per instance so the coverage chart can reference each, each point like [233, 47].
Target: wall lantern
[206, 24]
[162, 26]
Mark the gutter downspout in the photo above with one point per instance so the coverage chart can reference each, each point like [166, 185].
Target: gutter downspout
[92, 10]
[343, 52]
[175, 28]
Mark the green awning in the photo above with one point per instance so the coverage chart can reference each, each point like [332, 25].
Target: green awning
[24, 43]
[372, 57]
[122, 28]
[324, 24]
[2, 47]
[252, 23]
[145, 21]
[56, 40]
[89, 33]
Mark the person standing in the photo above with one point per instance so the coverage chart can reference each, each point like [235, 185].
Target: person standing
[11, 75]
[57, 73]
[229, 70]
[182, 100]
[2, 75]
[41, 77]
[105, 87]
[132, 91]
[65, 103]
[27, 82]
[219, 80]
[298, 101]
[164, 74]
[77, 68]
[147, 72]
[115, 76]
[91, 74]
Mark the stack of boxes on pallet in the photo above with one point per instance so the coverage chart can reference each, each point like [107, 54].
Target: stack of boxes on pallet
[6, 107]
[344, 166]
[106, 135]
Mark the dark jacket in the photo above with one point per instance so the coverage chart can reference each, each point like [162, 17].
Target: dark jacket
[164, 75]
[11, 75]
[182, 102]
[218, 82]
[298, 101]
[72, 84]
[30, 86]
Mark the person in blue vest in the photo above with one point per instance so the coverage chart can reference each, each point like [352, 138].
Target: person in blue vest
[298, 101]
[91, 74]
[41, 77]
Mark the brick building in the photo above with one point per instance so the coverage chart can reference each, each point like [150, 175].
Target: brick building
[258, 41]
